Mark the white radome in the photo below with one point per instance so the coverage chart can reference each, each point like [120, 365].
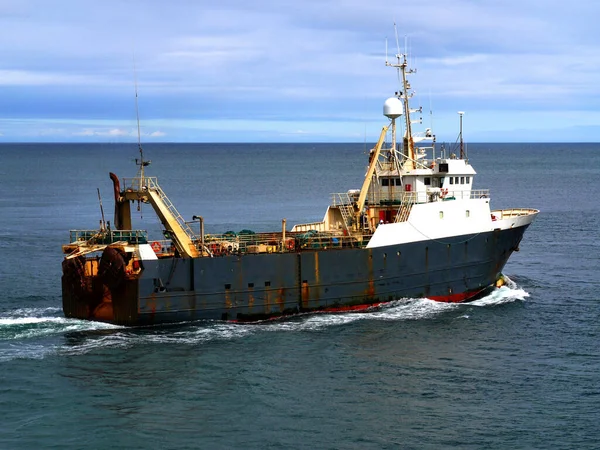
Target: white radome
[393, 108]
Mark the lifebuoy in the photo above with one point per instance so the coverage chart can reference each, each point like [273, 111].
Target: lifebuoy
[156, 246]
[215, 248]
[291, 244]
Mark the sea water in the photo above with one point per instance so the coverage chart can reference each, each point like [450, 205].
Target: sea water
[519, 368]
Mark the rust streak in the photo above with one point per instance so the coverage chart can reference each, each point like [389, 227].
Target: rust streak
[317, 279]
[281, 298]
[371, 289]
[267, 299]
[305, 294]
[227, 299]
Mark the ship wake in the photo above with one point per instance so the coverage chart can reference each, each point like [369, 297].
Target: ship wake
[410, 309]
[34, 333]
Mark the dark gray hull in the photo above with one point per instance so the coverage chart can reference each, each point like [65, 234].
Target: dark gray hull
[255, 287]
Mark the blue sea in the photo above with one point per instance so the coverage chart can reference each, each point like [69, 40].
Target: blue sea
[517, 369]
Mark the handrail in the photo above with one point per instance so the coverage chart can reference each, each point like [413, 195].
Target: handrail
[108, 236]
[398, 196]
[148, 188]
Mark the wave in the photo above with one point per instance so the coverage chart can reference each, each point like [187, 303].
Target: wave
[39, 332]
[508, 293]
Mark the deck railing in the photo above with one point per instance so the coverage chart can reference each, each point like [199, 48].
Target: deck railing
[399, 197]
[108, 236]
[138, 183]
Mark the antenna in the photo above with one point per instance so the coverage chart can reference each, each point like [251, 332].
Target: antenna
[103, 222]
[141, 163]
[431, 125]
[386, 51]
[137, 109]
[462, 150]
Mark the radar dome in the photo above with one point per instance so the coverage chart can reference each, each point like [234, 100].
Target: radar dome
[392, 108]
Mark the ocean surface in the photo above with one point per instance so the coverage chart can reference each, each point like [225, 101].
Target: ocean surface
[517, 369]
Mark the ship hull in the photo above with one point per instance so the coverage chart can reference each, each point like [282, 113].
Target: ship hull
[252, 287]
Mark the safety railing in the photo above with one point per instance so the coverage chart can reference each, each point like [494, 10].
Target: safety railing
[229, 243]
[151, 183]
[107, 237]
[511, 213]
[398, 197]
[139, 183]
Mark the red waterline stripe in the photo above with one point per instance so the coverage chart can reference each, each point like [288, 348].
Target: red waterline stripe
[454, 298]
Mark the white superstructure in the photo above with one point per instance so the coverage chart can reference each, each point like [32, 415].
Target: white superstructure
[412, 191]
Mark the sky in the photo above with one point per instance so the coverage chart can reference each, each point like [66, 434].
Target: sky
[296, 71]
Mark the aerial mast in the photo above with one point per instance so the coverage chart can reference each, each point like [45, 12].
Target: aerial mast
[404, 96]
[462, 148]
[141, 161]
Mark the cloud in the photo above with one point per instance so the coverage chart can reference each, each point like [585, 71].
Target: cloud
[33, 78]
[115, 132]
[300, 64]
[103, 132]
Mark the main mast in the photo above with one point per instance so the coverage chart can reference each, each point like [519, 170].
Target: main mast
[141, 162]
[404, 95]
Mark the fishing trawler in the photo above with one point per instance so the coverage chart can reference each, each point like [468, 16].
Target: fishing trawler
[415, 228]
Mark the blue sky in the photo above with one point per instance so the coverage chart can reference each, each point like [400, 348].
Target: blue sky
[295, 71]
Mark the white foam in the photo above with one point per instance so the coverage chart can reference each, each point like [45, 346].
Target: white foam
[405, 309]
[31, 323]
[7, 321]
[31, 312]
[508, 293]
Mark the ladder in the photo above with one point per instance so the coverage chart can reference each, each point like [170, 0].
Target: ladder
[346, 209]
[405, 207]
[184, 226]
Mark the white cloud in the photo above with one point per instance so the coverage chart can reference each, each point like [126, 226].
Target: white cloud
[103, 132]
[115, 132]
[42, 78]
[312, 60]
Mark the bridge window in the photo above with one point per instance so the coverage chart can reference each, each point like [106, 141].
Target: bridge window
[398, 182]
[451, 180]
[462, 180]
[427, 181]
[455, 180]
[267, 283]
[228, 286]
[385, 182]
[468, 180]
